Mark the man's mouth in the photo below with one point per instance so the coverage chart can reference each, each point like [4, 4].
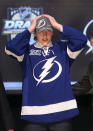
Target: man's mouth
[45, 40]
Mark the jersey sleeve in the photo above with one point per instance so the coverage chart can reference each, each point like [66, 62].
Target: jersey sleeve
[18, 45]
[75, 42]
[76, 39]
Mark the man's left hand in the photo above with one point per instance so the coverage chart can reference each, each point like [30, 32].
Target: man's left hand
[53, 22]
[10, 130]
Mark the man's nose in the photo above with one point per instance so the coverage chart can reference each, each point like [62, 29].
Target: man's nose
[45, 34]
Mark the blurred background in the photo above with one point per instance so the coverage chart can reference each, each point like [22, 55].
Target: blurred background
[16, 16]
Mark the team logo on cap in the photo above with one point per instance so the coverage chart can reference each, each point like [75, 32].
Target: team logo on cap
[41, 23]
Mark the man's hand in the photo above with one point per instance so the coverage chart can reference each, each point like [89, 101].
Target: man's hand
[54, 23]
[33, 24]
[10, 130]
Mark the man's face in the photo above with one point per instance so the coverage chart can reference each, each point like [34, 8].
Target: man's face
[91, 41]
[44, 37]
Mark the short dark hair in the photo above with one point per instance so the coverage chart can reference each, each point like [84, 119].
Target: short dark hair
[34, 35]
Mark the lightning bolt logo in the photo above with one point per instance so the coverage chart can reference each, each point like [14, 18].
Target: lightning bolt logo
[46, 70]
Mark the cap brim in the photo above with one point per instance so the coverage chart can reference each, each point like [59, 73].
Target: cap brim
[44, 28]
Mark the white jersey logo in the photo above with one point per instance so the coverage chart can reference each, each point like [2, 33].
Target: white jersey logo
[48, 64]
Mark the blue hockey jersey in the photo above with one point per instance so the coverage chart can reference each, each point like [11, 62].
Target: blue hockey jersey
[46, 92]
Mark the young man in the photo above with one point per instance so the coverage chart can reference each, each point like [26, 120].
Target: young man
[6, 117]
[47, 93]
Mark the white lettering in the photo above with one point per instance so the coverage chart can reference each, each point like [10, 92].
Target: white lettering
[18, 24]
[9, 24]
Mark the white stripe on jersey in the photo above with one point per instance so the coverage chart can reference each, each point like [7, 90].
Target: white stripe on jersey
[19, 58]
[47, 109]
[73, 55]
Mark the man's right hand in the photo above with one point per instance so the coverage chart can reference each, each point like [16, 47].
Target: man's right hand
[33, 24]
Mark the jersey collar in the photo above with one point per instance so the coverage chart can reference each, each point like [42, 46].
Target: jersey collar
[39, 45]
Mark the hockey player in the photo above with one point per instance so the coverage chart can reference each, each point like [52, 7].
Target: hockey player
[48, 102]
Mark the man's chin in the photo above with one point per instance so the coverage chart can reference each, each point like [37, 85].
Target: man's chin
[45, 43]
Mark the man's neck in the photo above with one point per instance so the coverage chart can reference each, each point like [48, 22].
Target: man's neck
[40, 45]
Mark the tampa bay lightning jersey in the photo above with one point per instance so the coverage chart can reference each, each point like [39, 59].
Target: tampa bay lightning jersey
[46, 92]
